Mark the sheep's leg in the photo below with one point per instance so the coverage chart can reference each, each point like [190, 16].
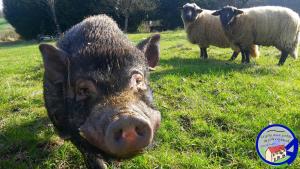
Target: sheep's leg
[243, 53]
[283, 57]
[247, 55]
[234, 56]
[203, 53]
[243, 56]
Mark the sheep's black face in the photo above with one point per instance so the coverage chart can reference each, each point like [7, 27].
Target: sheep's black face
[227, 15]
[189, 12]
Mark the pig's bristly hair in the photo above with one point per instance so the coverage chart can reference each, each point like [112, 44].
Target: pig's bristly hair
[98, 36]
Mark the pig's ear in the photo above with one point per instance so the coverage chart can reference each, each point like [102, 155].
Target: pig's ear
[55, 63]
[150, 47]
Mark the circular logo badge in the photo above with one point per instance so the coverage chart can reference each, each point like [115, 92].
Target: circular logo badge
[277, 145]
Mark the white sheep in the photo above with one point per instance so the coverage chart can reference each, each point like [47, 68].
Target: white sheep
[204, 29]
[266, 25]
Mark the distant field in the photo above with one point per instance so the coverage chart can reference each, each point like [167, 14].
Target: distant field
[212, 110]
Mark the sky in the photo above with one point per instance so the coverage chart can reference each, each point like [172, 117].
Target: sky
[1, 6]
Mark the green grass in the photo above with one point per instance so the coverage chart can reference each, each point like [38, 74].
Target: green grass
[4, 26]
[7, 32]
[212, 110]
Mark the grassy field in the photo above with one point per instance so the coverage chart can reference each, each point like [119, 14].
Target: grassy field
[212, 110]
[4, 26]
[7, 32]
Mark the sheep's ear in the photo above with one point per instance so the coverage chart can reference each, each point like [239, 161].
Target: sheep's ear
[199, 10]
[238, 12]
[55, 63]
[216, 13]
[150, 47]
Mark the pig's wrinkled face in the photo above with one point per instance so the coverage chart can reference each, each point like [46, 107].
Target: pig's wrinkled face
[107, 100]
[227, 15]
[114, 94]
[189, 12]
[122, 120]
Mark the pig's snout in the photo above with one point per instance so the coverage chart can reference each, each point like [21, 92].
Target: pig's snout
[128, 135]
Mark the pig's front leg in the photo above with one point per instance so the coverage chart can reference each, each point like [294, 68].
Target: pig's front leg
[94, 161]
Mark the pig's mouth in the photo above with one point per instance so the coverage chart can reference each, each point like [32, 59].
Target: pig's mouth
[126, 133]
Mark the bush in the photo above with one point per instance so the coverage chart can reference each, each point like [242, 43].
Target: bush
[9, 36]
[144, 27]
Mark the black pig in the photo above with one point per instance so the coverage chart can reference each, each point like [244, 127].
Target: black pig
[97, 93]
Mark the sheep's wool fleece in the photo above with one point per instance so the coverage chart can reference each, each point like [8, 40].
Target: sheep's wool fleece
[207, 30]
[268, 26]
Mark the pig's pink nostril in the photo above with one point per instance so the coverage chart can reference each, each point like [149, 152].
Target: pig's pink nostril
[130, 134]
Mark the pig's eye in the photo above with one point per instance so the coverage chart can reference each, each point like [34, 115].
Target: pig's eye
[139, 79]
[85, 89]
[137, 82]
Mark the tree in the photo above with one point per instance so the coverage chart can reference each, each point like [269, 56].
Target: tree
[71, 12]
[209, 4]
[51, 4]
[169, 13]
[33, 17]
[237, 3]
[28, 17]
[242, 3]
[127, 7]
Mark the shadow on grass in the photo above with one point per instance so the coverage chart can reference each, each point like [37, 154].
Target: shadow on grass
[20, 145]
[18, 43]
[189, 66]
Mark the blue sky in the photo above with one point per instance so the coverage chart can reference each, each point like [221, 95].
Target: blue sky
[1, 6]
